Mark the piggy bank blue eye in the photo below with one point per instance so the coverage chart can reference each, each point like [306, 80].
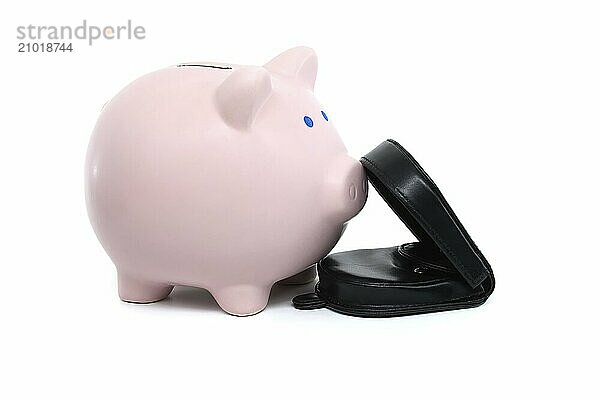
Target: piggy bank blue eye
[308, 121]
[324, 115]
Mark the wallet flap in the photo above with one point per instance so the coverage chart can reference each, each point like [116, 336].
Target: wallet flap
[417, 201]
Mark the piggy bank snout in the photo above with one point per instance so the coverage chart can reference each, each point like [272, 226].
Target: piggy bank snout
[347, 191]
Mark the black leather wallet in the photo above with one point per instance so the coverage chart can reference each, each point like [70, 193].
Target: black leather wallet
[444, 270]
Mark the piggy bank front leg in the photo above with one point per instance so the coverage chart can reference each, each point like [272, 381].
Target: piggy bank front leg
[242, 299]
[136, 290]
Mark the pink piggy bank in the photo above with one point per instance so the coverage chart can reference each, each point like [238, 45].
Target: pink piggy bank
[224, 177]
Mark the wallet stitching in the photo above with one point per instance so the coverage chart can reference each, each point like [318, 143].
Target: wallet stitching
[475, 296]
[330, 300]
[371, 311]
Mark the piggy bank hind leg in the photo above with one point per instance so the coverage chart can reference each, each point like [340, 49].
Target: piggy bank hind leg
[242, 300]
[135, 290]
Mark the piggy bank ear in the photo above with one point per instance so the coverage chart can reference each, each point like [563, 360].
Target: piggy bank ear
[299, 63]
[242, 94]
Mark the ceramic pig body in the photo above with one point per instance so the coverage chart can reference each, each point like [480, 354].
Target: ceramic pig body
[229, 178]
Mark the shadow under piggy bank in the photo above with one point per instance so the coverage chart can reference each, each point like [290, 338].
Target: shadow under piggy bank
[191, 298]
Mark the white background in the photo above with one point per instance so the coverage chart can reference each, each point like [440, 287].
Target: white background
[499, 101]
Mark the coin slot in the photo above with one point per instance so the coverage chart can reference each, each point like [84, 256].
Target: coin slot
[205, 66]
